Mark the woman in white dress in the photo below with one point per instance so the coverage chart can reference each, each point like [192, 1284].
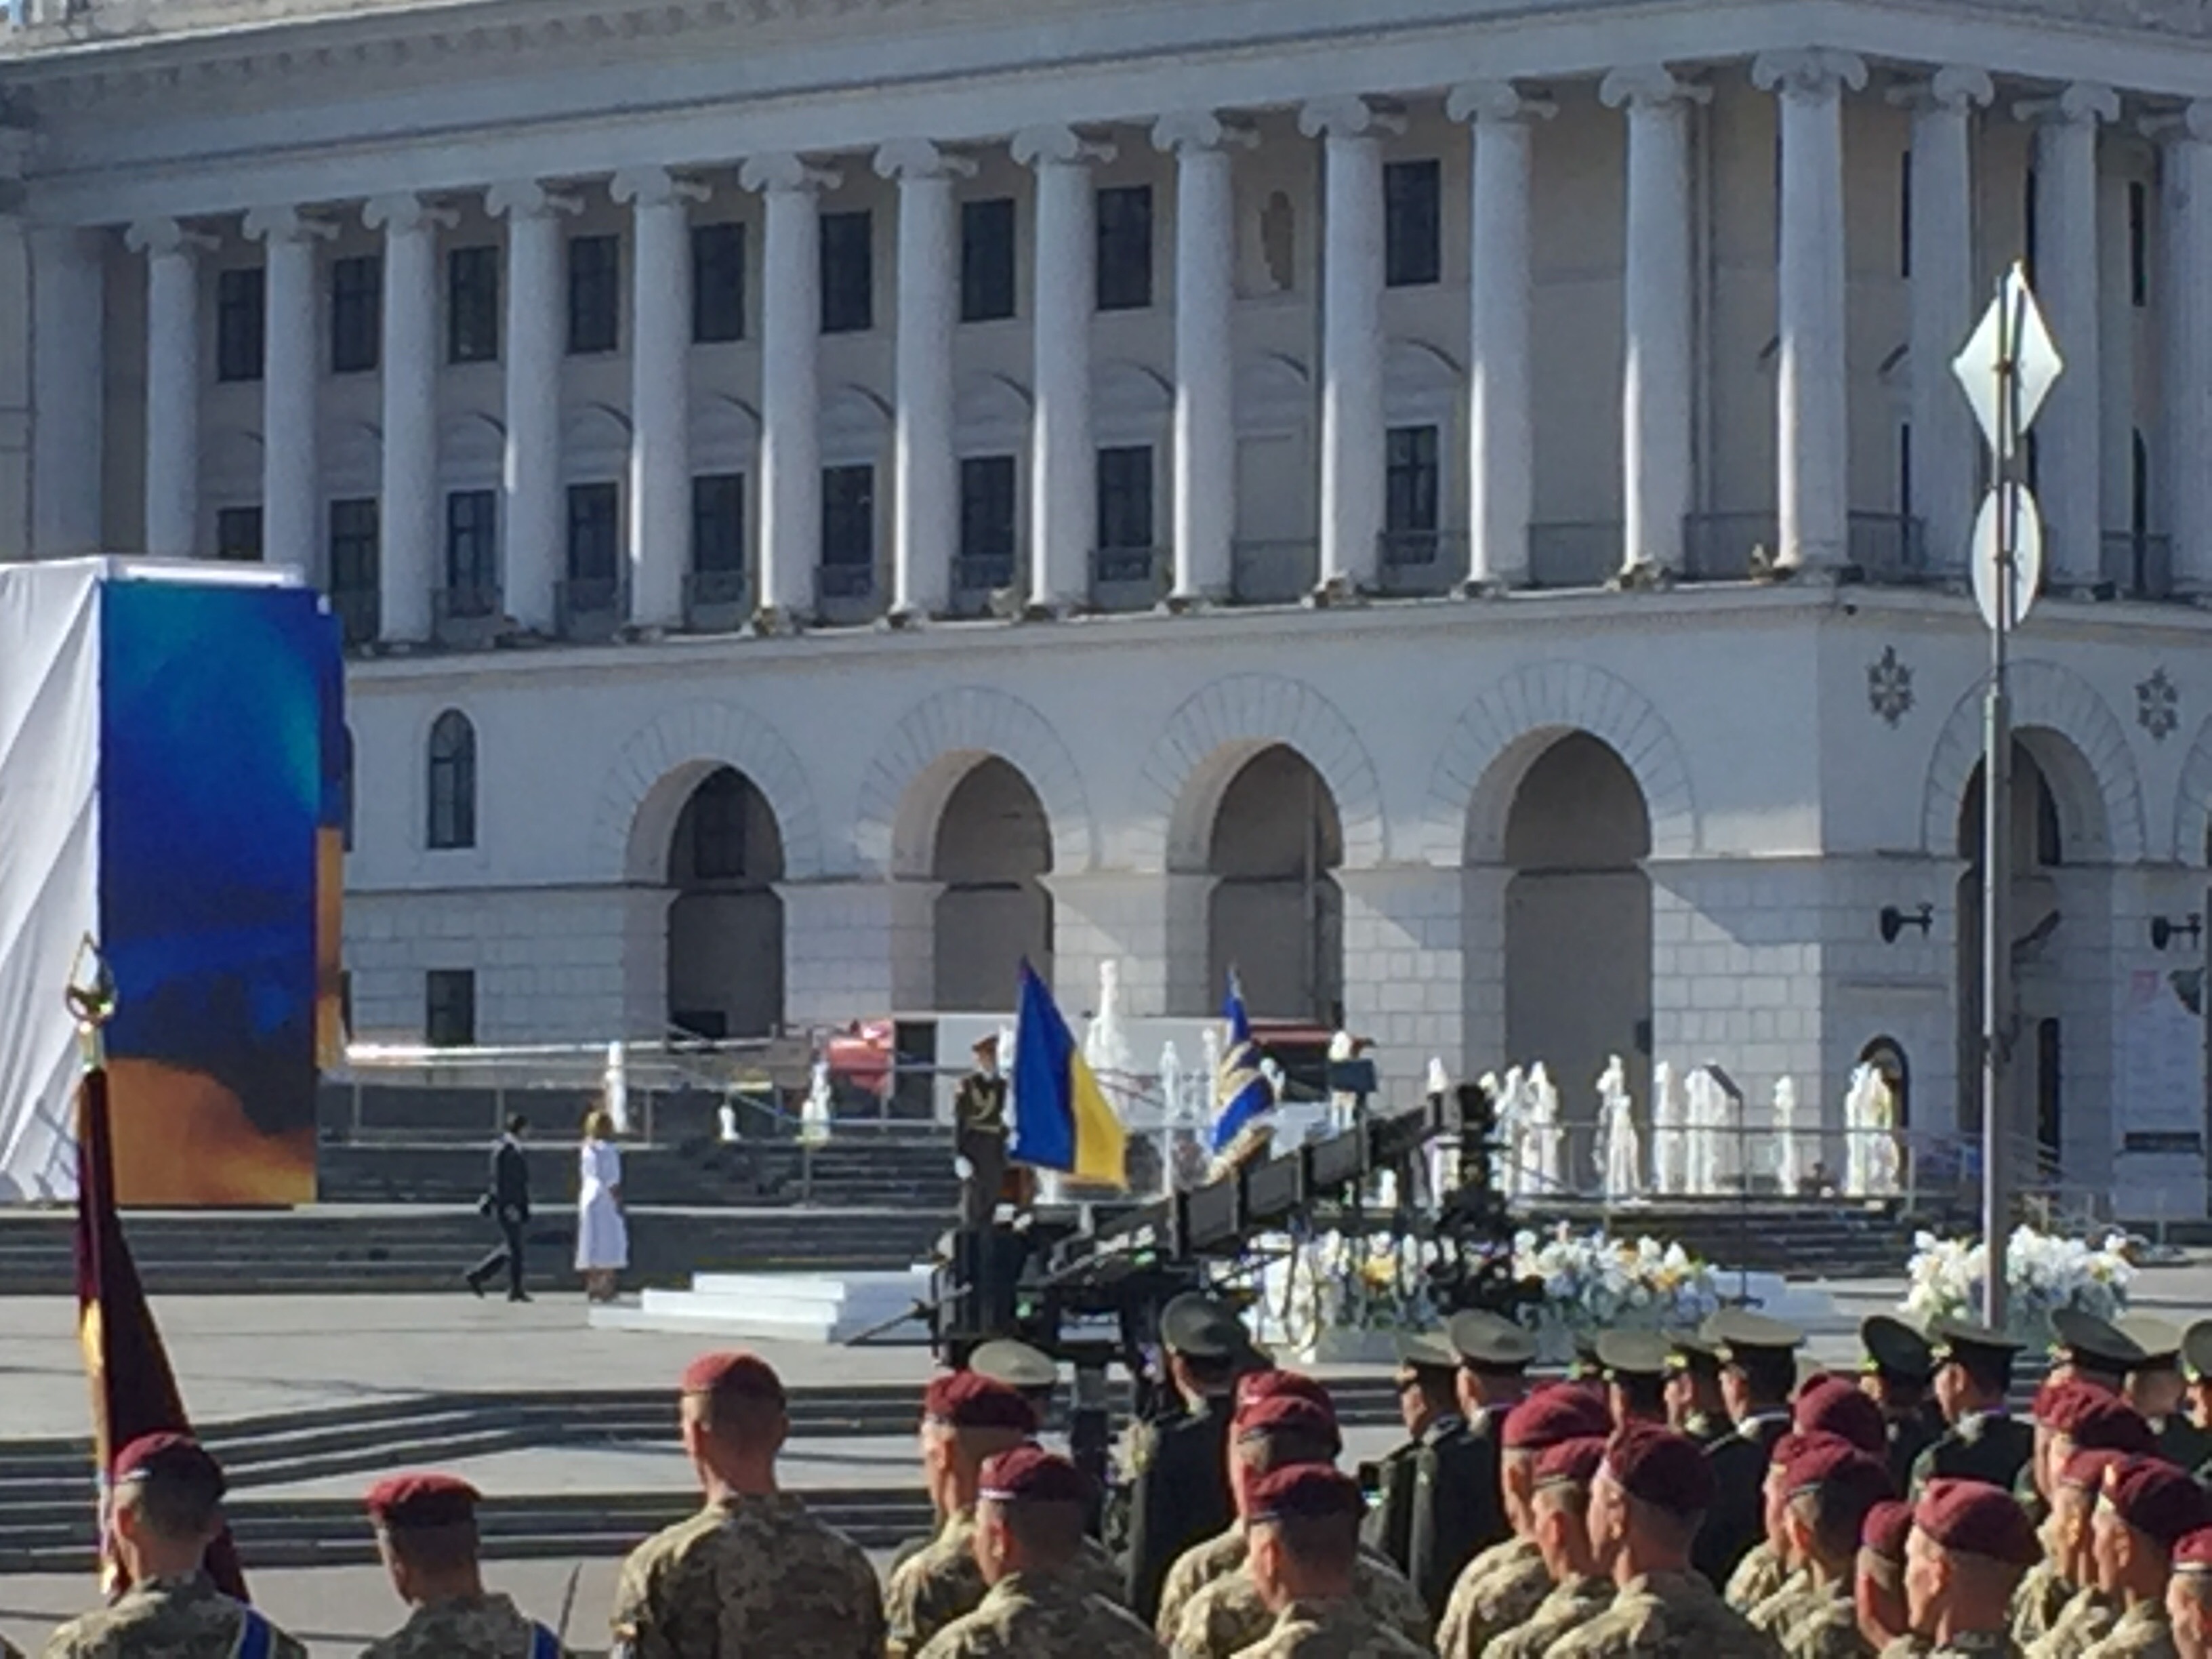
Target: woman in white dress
[602, 1238]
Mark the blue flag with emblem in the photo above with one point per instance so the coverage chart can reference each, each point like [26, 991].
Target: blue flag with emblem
[1244, 1099]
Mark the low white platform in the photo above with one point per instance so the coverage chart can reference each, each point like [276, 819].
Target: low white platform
[784, 1306]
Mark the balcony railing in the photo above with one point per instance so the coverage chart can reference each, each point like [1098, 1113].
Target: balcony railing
[1417, 561]
[360, 614]
[2139, 562]
[1888, 547]
[1575, 553]
[590, 609]
[845, 594]
[716, 601]
[465, 614]
[1273, 572]
[1127, 578]
[984, 573]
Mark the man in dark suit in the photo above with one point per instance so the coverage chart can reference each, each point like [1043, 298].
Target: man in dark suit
[1429, 1513]
[1179, 1493]
[506, 1200]
[1973, 1374]
[1494, 1357]
[1759, 1369]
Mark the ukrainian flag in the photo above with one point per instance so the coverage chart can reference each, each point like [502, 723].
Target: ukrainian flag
[1061, 1120]
[1242, 1097]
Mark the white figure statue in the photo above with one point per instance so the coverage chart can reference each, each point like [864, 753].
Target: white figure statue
[1106, 1039]
[1546, 1136]
[1859, 1129]
[814, 1111]
[728, 1115]
[1437, 1080]
[1343, 1106]
[1884, 1159]
[1620, 1159]
[1670, 1168]
[1441, 1160]
[1704, 1131]
[1513, 1131]
[1499, 1143]
[615, 1086]
[1789, 1172]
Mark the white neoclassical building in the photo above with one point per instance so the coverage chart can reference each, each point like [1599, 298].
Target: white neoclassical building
[1455, 509]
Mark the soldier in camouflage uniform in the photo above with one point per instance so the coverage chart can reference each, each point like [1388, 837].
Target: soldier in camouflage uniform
[1305, 1526]
[1829, 1407]
[1973, 1374]
[168, 1508]
[2147, 1508]
[1970, 1545]
[426, 1533]
[1646, 1503]
[1041, 1604]
[752, 1572]
[1879, 1590]
[2189, 1596]
[1559, 1510]
[1503, 1587]
[1828, 1488]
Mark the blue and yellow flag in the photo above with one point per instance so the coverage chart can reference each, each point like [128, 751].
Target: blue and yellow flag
[1061, 1120]
[1242, 1097]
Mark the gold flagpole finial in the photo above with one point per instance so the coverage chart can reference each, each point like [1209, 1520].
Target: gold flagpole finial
[91, 996]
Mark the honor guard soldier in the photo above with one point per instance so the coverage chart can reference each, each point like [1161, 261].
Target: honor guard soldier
[1694, 1404]
[979, 1135]
[1494, 1357]
[2061, 1610]
[167, 1508]
[1029, 1546]
[1973, 1374]
[1647, 1501]
[1971, 1543]
[1899, 1368]
[2189, 1596]
[1560, 1512]
[2156, 1389]
[2087, 1349]
[1427, 1513]
[1304, 1566]
[1884, 1623]
[2148, 1507]
[1179, 1489]
[752, 1572]
[426, 1536]
[1502, 1587]
[1759, 1369]
[1826, 1489]
[1635, 1372]
[1227, 1614]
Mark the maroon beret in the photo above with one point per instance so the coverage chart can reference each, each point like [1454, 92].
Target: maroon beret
[2193, 1554]
[400, 1501]
[2092, 1419]
[168, 1456]
[1553, 1414]
[1885, 1529]
[1572, 1462]
[1289, 1413]
[734, 1377]
[2051, 1395]
[1835, 1465]
[1832, 1405]
[2156, 1498]
[1255, 1386]
[1305, 1490]
[969, 1400]
[1660, 1467]
[1794, 1443]
[1975, 1518]
[1030, 1474]
[2088, 1468]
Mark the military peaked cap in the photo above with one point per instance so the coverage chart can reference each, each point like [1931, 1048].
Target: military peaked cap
[1895, 1349]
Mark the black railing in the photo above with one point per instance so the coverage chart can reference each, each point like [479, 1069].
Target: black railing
[1887, 547]
[465, 613]
[589, 607]
[1415, 562]
[1273, 572]
[982, 573]
[360, 614]
[847, 581]
[1119, 566]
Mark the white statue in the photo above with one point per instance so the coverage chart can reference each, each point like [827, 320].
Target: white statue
[1438, 1081]
[1513, 1131]
[1670, 1168]
[1858, 1129]
[1790, 1170]
[1884, 1159]
[1106, 1039]
[1546, 1136]
[814, 1113]
[615, 1086]
[1704, 1123]
[1620, 1159]
[727, 1115]
[1172, 1086]
[1343, 1105]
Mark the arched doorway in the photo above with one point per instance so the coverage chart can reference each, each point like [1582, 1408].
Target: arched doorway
[1275, 915]
[1578, 921]
[725, 923]
[994, 845]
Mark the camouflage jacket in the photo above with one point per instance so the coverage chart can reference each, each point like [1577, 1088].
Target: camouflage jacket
[1043, 1616]
[1332, 1630]
[2142, 1632]
[1971, 1644]
[1228, 1616]
[1757, 1577]
[1193, 1570]
[1501, 1587]
[1792, 1600]
[2036, 1605]
[2080, 1624]
[475, 1627]
[1824, 1624]
[1669, 1615]
[164, 1618]
[751, 1574]
[1572, 1603]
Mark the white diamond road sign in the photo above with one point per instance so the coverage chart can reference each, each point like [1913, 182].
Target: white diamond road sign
[1980, 368]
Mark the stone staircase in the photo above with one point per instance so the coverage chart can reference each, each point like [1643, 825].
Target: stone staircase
[1797, 1240]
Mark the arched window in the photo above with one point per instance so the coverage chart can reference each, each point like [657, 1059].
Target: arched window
[453, 782]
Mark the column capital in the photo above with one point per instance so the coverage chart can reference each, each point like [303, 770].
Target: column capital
[160, 236]
[2184, 123]
[1049, 146]
[1809, 72]
[528, 198]
[650, 187]
[2081, 103]
[1186, 130]
[920, 158]
[286, 224]
[781, 171]
[1349, 117]
[1649, 86]
[1956, 87]
[404, 213]
[1495, 101]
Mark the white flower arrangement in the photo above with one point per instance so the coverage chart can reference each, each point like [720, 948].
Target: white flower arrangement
[1368, 1284]
[2044, 1272]
[1593, 1282]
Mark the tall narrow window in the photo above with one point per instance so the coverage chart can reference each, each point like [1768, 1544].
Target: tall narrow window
[986, 522]
[1905, 470]
[1125, 500]
[237, 535]
[848, 247]
[473, 304]
[848, 532]
[356, 314]
[449, 1008]
[717, 284]
[453, 782]
[594, 294]
[718, 535]
[1412, 486]
[2138, 243]
[1905, 214]
[240, 296]
[1413, 224]
[987, 260]
[353, 568]
[1125, 247]
[471, 552]
[2029, 190]
[594, 537]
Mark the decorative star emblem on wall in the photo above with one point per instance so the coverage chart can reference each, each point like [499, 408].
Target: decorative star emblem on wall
[1889, 687]
[2158, 705]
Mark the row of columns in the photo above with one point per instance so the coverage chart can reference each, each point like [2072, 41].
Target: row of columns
[1657, 380]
